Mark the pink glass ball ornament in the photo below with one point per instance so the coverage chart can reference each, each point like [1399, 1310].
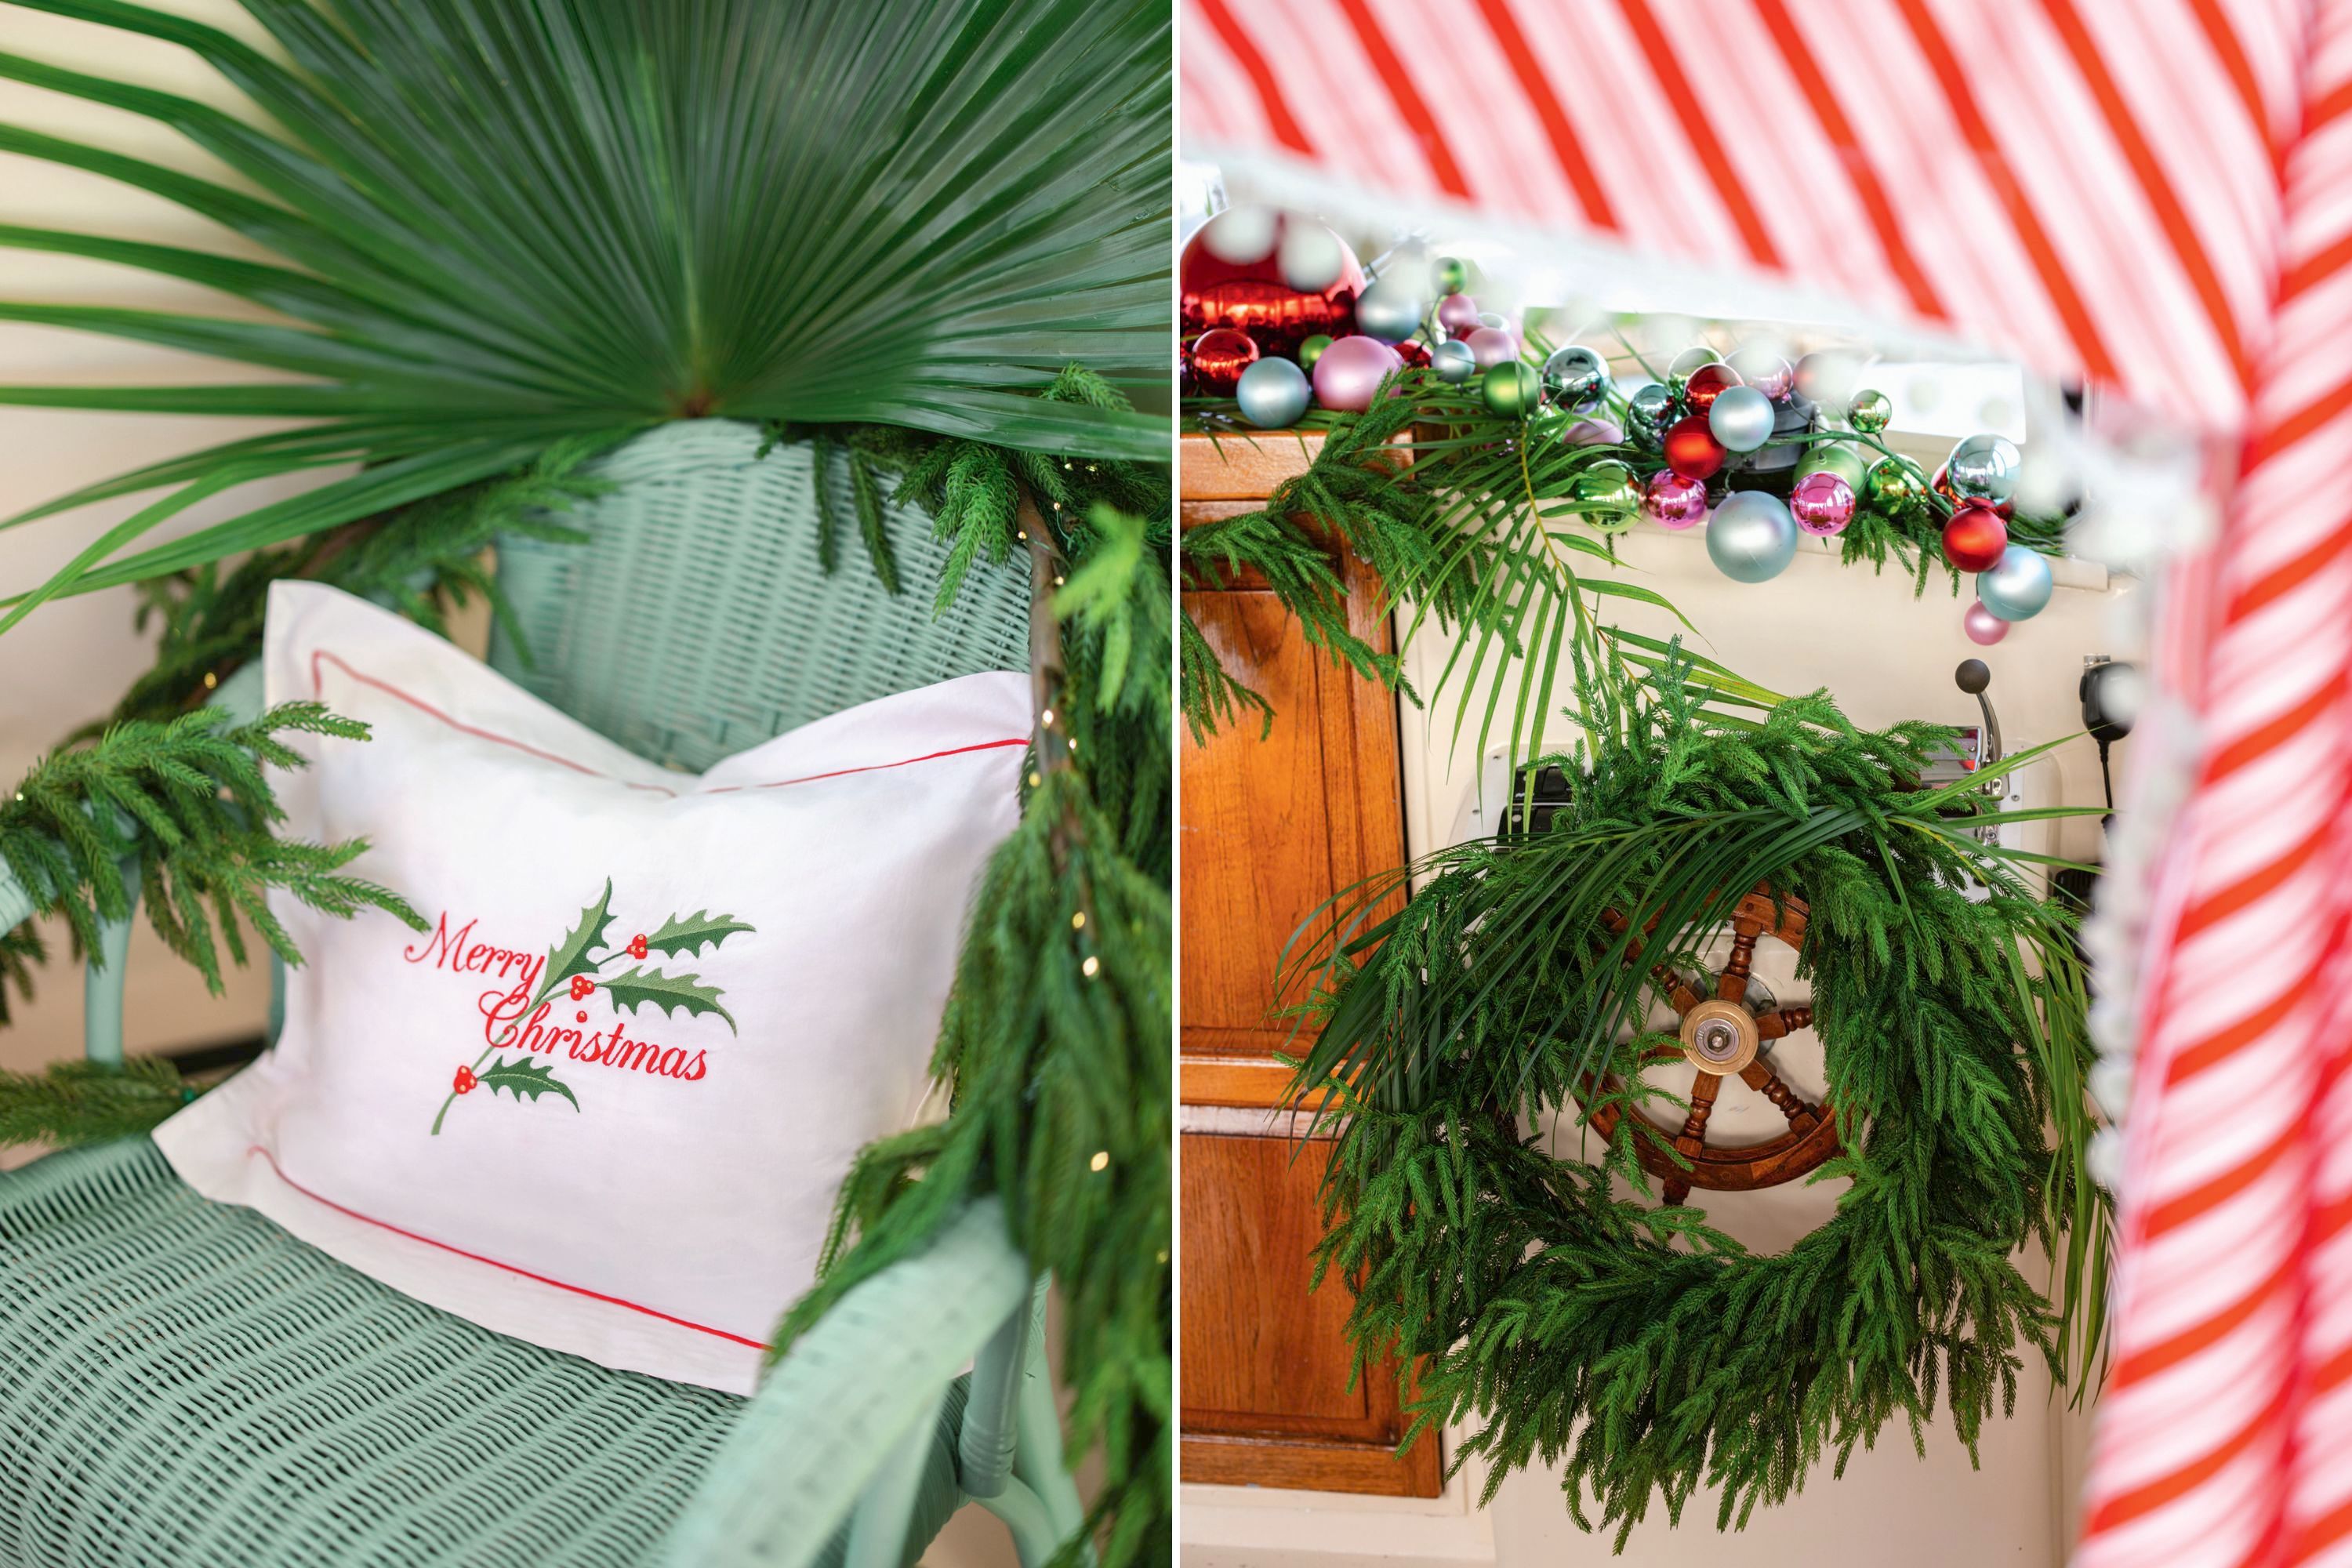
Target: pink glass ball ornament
[1490, 346]
[1347, 374]
[1674, 500]
[1984, 627]
[1823, 503]
[1767, 371]
[1458, 314]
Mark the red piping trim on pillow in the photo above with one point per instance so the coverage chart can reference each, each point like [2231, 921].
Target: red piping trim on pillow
[478, 1258]
[317, 690]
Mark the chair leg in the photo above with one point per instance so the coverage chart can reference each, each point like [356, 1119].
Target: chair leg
[102, 982]
[1035, 1538]
[985, 1450]
[1039, 1460]
[877, 1530]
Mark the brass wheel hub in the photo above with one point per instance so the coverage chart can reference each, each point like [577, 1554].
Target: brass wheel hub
[1719, 1037]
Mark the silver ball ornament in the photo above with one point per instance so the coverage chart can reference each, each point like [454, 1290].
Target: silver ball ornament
[1388, 310]
[1311, 257]
[1740, 418]
[2018, 587]
[1984, 466]
[1648, 413]
[1454, 362]
[1751, 538]
[1573, 376]
[1272, 393]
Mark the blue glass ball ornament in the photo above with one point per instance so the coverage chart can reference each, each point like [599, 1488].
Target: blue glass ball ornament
[1751, 538]
[1574, 377]
[1741, 418]
[1454, 362]
[1389, 310]
[1648, 413]
[2017, 589]
[1984, 466]
[1274, 394]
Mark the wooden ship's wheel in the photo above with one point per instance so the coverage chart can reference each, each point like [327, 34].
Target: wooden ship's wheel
[1721, 1036]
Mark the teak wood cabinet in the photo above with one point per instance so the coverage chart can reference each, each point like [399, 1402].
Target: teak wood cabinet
[1271, 828]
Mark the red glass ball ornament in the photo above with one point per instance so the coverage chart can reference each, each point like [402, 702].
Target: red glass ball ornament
[1706, 384]
[1219, 357]
[1975, 538]
[1413, 352]
[1252, 298]
[1692, 449]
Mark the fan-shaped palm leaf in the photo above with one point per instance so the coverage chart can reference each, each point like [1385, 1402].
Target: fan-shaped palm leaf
[503, 222]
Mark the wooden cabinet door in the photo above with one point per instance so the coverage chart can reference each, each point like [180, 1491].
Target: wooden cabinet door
[1271, 828]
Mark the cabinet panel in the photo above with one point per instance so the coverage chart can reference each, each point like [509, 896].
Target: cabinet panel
[1271, 828]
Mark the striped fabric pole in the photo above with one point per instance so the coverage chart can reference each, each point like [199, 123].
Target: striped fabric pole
[2225, 1430]
[2157, 196]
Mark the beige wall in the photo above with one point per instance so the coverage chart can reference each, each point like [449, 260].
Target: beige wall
[71, 660]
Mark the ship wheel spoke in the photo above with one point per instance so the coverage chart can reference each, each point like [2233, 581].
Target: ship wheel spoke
[1782, 1021]
[1732, 984]
[1693, 1137]
[1801, 1116]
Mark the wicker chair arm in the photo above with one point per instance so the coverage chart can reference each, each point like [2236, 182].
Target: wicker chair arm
[839, 1409]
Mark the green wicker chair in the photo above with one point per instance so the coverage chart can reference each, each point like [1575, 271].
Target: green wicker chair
[185, 1385]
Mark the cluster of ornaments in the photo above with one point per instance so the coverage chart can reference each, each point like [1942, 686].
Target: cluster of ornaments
[1278, 313]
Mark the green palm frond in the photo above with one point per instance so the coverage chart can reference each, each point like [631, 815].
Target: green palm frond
[499, 224]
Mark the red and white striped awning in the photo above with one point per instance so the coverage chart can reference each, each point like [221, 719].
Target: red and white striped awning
[2091, 185]
[2152, 195]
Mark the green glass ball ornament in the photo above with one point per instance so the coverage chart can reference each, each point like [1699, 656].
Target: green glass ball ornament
[1451, 275]
[1608, 496]
[1512, 388]
[1843, 459]
[1894, 486]
[1574, 377]
[1454, 362]
[1272, 393]
[1312, 350]
[1648, 413]
[1689, 360]
[1985, 468]
[1870, 411]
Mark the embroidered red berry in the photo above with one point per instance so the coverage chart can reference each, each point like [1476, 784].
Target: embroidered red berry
[581, 986]
[638, 945]
[579, 1017]
[464, 1081]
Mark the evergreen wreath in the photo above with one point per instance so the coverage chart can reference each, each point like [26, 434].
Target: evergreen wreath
[1548, 1304]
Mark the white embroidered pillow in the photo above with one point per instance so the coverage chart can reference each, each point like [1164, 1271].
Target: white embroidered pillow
[605, 1103]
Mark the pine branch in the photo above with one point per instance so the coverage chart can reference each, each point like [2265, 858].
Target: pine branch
[78, 1102]
[188, 799]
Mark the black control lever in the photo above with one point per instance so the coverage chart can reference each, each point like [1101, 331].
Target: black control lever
[1973, 678]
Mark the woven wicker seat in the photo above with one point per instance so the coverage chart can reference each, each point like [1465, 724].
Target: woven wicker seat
[182, 1384]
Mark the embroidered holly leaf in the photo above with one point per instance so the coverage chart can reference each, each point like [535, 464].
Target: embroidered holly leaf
[572, 955]
[689, 934]
[525, 1080]
[671, 992]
